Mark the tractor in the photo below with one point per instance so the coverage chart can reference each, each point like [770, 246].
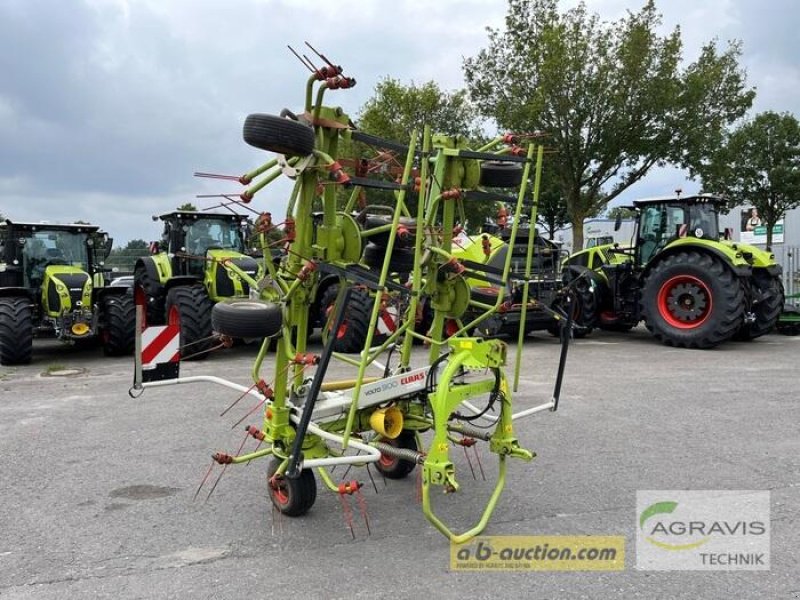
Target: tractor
[692, 287]
[199, 261]
[52, 281]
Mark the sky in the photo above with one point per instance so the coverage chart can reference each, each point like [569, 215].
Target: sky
[108, 107]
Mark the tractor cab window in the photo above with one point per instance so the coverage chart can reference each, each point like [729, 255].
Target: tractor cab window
[651, 231]
[46, 248]
[212, 233]
[704, 221]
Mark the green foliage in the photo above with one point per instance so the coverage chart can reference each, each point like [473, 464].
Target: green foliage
[395, 110]
[552, 210]
[621, 211]
[136, 244]
[187, 206]
[611, 95]
[759, 164]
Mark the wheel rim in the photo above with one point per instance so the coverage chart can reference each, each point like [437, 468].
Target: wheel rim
[387, 461]
[173, 316]
[684, 302]
[279, 492]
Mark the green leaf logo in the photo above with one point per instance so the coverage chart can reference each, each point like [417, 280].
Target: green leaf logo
[656, 509]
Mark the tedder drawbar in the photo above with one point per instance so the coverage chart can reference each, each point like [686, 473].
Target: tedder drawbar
[462, 396]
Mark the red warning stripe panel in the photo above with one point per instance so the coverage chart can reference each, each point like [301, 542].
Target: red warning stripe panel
[161, 343]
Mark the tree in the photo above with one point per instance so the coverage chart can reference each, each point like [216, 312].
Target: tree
[612, 96]
[395, 110]
[552, 211]
[187, 206]
[622, 211]
[137, 244]
[759, 164]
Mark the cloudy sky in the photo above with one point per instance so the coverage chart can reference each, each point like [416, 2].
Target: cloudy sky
[107, 107]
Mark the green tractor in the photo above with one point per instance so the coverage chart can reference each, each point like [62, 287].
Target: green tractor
[200, 260]
[691, 288]
[52, 281]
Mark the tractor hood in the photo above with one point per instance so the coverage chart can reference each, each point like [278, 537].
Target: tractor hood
[755, 256]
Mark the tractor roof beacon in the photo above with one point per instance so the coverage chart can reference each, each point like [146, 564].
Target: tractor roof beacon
[692, 287]
[53, 281]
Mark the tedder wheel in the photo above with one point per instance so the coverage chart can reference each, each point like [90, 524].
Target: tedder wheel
[16, 331]
[692, 300]
[119, 334]
[398, 468]
[153, 296]
[352, 335]
[276, 134]
[767, 293]
[500, 174]
[190, 307]
[247, 318]
[402, 260]
[292, 497]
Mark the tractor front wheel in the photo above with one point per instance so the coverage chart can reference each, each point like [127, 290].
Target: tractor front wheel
[16, 331]
[119, 334]
[292, 497]
[153, 295]
[189, 307]
[692, 300]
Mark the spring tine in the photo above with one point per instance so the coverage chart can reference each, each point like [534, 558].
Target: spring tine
[362, 506]
[350, 466]
[348, 515]
[480, 465]
[247, 464]
[250, 412]
[235, 402]
[216, 176]
[203, 481]
[469, 462]
[238, 452]
[371, 478]
[300, 59]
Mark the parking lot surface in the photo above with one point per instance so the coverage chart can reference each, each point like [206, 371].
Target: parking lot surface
[96, 488]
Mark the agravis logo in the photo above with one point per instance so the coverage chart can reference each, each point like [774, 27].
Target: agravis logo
[703, 530]
[666, 530]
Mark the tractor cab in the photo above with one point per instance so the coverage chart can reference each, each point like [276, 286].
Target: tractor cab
[664, 220]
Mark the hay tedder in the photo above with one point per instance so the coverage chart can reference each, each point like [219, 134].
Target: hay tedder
[409, 415]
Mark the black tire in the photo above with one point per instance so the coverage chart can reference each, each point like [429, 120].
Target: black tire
[767, 290]
[499, 174]
[247, 318]
[402, 260]
[153, 295]
[276, 134]
[352, 335]
[16, 331]
[585, 306]
[398, 468]
[190, 307]
[382, 239]
[292, 497]
[692, 300]
[119, 334]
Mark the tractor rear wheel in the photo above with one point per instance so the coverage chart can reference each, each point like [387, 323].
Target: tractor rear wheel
[189, 307]
[247, 318]
[16, 331]
[119, 334]
[292, 497]
[153, 295]
[276, 134]
[692, 300]
[352, 335]
[767, 291]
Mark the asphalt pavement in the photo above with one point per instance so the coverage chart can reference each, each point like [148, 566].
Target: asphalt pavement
[96, 488]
